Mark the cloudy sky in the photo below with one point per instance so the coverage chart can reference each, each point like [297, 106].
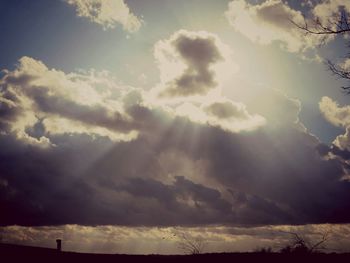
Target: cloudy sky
[125, 124]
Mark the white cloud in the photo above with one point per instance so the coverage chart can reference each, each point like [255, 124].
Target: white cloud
[34, 95]
[345, 65]
[270, 22]
[326, 10]
[38, 103]
[335, 114]
[107, 13]
[192, 64]
[343, 141]
[223, 113]
[338, 116]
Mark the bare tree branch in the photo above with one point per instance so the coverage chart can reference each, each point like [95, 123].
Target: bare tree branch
[320, 29]
[334, 25]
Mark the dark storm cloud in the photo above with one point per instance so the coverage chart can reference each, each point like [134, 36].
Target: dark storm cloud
[66, 185]
[88, 181]
[182, 202]
[43, 183]
[282, 167]
[84, 181]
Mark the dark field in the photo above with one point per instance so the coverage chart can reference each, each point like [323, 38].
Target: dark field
[16, 253]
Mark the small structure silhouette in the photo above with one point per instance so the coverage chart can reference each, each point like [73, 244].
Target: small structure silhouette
[59, 245]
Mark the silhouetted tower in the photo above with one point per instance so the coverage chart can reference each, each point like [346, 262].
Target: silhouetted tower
[59, 245]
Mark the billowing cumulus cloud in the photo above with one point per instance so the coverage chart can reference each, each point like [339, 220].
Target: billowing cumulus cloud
[37, 101]
[338, 116]
[343, 141]
[117, 155]
[107, 13]
[192, 64]
[335, 114]
[270, 21]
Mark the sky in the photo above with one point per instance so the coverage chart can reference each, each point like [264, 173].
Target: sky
[128, 124]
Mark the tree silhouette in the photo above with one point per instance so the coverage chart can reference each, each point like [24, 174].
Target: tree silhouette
[187, 243]
[191, 245]
[302, 245]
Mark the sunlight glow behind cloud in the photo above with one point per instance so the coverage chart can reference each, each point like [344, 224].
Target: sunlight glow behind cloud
[186, 123]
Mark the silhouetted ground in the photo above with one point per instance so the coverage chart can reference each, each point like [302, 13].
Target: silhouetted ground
[16, 253]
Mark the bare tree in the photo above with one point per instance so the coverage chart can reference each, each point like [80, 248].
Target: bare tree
[187, 243]
[336, 25]
[302, 244]
[191, 245]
